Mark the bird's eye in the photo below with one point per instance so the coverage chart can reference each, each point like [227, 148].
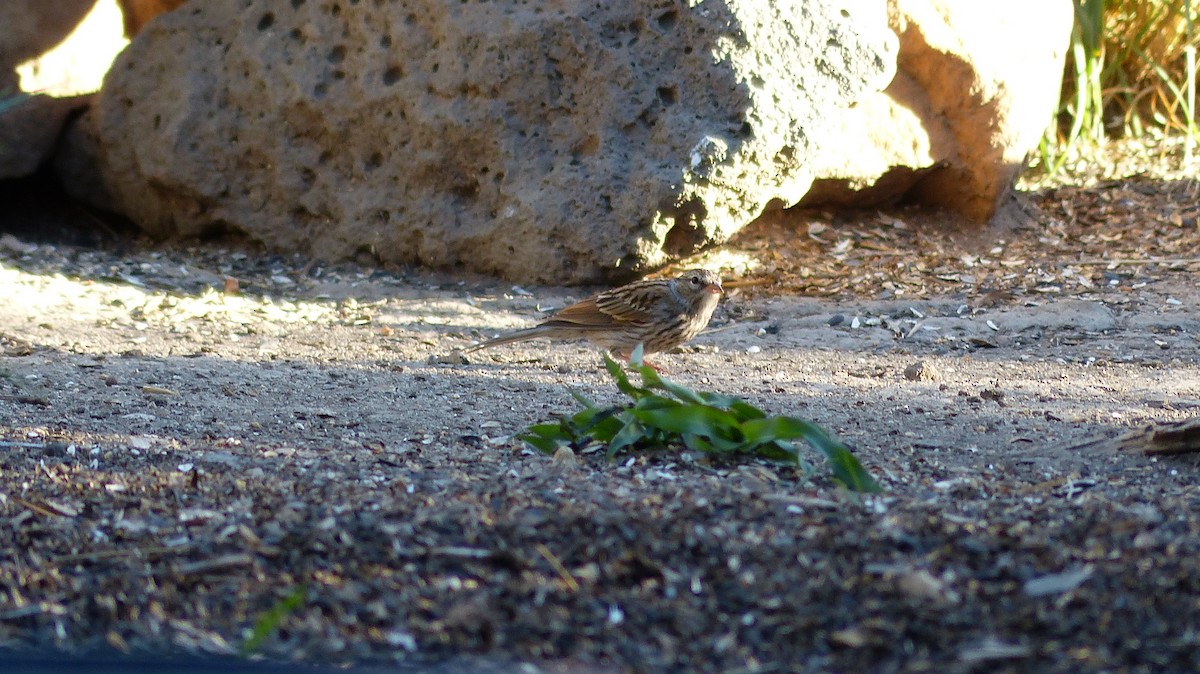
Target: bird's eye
[695, 280]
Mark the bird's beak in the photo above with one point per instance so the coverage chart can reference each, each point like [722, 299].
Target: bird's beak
[714, 288]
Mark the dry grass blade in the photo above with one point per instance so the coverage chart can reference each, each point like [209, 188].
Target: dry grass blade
[131, 551]
[47, 508]
[222, 563]
[558, 567]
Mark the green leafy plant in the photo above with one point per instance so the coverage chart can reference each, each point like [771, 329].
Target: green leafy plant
[664, 414]
[270, 620]
[1131, 72]
[1087, 55]
[1083, 92]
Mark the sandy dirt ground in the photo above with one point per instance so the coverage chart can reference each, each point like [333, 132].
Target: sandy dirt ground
[177, 461]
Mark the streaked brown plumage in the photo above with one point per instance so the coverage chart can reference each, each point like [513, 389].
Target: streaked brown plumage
[658, 313]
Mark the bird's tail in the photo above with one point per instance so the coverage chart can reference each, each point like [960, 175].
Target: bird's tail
[518, 336]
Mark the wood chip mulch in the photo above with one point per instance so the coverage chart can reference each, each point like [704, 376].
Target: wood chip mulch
[1070, 241]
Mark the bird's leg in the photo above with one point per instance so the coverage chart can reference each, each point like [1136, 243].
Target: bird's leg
[653, 366]
[647, 363]
[627, 356]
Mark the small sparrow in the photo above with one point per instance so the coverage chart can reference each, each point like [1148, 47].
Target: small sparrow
[660, 314]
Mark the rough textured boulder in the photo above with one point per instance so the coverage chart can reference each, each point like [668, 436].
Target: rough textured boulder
[560, 142]
[976, 86]
[29, 28]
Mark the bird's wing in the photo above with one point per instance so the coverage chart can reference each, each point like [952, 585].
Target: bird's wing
[632, 303]
[614, 307]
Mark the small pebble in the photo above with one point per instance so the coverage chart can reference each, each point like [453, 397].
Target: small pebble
[922, 371]
[564, 459]
[452, 358]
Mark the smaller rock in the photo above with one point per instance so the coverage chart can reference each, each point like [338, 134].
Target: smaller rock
[29, 128]
[564, 459]
[922, 585]
[12, 244]
[851, 637]
[1057, 583]
[452, 358]
[922, 371]
[994, 395]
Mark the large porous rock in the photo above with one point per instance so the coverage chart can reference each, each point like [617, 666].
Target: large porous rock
[556, 142]
[976, 86]
[29, 28]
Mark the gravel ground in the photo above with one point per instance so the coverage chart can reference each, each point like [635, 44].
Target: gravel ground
[194, 440]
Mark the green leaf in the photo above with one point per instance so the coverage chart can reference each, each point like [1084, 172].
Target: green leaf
[743, 410]
[603, 425]
[790, 449]
[618, 374]
[777, 452]
[548, 430]
[848, 471]
[698, 444]
[543, 444]
[631, 434]
[769, 429]
[844, 465]
[581, 398]
[708, 422]
[623, 384]
[1089, 19]
[712, 445]
[584, 419]
[269, 621]
[654, 380]
[546, 438]
[717, 400]
[655, 402]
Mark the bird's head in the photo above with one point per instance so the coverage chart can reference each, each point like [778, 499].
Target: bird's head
[698, 283]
